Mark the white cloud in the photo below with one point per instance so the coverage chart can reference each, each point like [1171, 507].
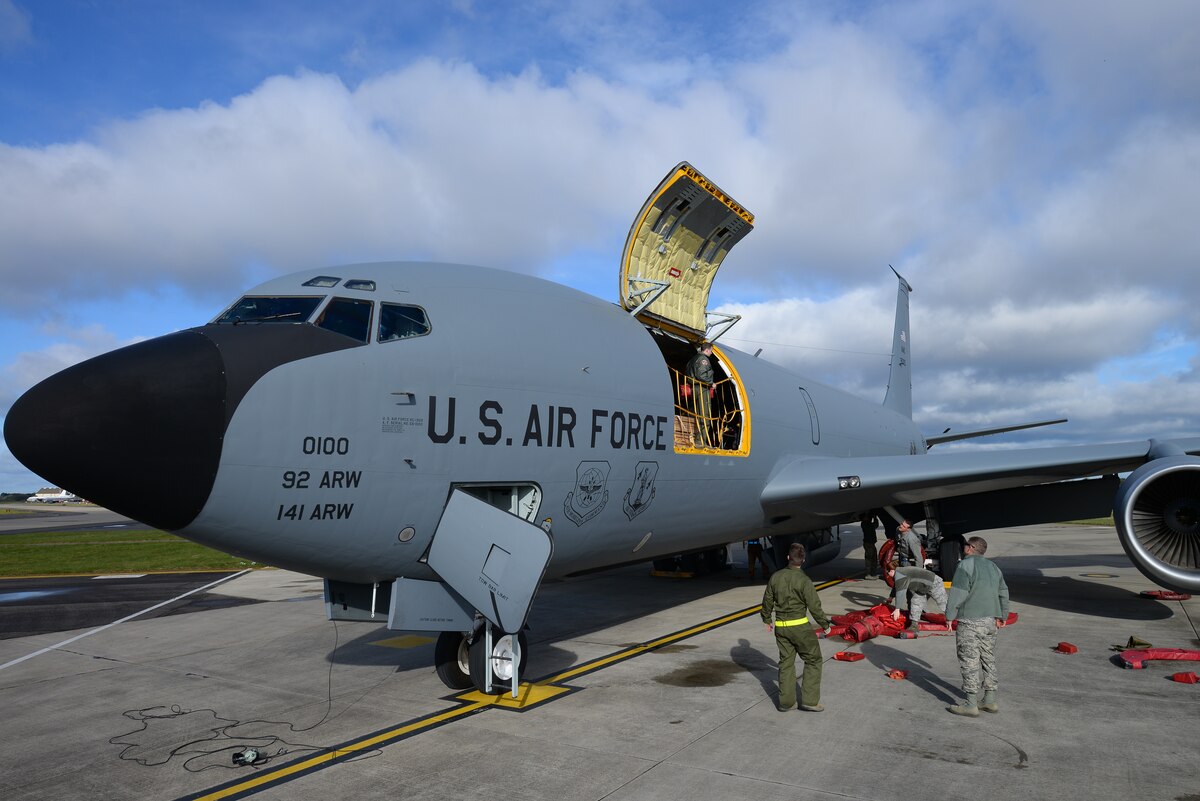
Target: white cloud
[30, 367]
[75, 345]
[16, 30]
[1113, 56]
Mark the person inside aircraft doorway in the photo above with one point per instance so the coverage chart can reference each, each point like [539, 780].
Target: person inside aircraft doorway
[699, 373]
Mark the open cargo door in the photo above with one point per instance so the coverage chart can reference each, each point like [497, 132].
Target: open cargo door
[676, 245]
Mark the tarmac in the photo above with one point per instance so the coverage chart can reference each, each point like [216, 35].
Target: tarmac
[643, 688]
[20, 518]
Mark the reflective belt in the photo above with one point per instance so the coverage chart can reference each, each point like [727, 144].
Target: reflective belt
[791, 622]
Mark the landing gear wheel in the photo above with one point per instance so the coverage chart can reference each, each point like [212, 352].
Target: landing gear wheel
[452, 660]
[885, 555]
[502, 653]
[949, 555]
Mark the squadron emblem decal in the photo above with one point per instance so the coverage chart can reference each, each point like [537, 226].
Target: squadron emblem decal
[589, 495]
[639, 496]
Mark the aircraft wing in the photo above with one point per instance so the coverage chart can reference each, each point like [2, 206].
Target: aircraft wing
[838, 486]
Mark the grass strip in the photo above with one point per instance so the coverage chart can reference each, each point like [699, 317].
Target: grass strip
[90, 536]
[105, 552]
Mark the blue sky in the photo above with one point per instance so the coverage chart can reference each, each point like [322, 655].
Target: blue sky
[1033, 169]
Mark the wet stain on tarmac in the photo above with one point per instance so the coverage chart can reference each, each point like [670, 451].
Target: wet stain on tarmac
[675, 648]
[944, 758]
[706, 673]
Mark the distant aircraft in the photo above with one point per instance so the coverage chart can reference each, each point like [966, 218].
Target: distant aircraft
[53, 495]
[436, 440]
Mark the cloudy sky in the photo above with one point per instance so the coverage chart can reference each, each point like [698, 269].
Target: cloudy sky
[1032, 168]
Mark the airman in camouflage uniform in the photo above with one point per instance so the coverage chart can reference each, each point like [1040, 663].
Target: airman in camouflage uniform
[979, 601]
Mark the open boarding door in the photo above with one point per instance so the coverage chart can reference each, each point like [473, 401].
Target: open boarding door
[677, 242]
[676, 245]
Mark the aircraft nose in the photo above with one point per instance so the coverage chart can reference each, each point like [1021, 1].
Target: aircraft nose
[137, 430]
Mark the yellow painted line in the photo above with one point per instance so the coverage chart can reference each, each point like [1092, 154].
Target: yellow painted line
[637, 650]
[529, 694]
[338, 753]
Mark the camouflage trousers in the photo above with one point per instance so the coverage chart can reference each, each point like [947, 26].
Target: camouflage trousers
[793, 640]
[918, 601]
[976, 641]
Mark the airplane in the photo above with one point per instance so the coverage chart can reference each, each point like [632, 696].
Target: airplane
[53, 495]
[435, 441]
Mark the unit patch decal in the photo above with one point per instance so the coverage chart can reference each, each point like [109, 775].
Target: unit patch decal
[639, 496]
[590, 494]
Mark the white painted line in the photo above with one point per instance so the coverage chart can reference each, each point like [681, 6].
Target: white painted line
[49, 648]
[120, 576]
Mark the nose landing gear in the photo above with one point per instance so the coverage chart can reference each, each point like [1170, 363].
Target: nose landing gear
[461, 659]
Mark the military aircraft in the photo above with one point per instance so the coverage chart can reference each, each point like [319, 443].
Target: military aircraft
[53, 495]
[437, 440]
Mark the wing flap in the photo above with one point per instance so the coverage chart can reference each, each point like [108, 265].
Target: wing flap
[837, 486]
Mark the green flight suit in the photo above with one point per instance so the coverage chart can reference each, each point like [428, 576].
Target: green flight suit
[790, 594]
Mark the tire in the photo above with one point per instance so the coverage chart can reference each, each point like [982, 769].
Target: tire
[501, 648]
[452, 660]
[949, 555]
[885, 555]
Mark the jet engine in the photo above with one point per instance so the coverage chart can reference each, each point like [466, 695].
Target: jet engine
[1157, 512]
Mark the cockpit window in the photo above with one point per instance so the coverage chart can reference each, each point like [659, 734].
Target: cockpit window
[397, 321]
[270, 310]
[347, 316]
[360, 284]
[322, 281]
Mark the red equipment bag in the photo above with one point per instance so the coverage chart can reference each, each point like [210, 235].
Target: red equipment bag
[1165, 595]
[1136, 660]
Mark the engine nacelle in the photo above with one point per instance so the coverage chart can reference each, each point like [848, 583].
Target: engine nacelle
[1157, 512]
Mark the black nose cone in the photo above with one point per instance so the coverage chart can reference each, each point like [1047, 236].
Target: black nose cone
[137, 431]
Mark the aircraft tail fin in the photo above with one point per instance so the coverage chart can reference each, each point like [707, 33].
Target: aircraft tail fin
[899, 391]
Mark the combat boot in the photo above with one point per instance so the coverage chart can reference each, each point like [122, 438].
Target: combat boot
[988, 704]
[968, 709]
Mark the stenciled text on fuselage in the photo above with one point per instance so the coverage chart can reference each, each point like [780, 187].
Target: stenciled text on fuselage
[547, 426]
